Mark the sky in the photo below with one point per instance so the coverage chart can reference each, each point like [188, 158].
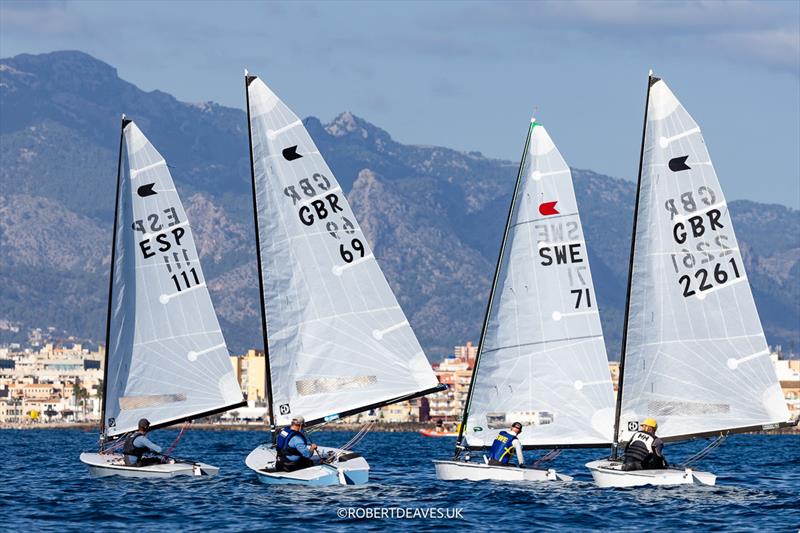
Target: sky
[468, 75]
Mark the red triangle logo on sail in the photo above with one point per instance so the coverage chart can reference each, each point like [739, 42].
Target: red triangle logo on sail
[548, 208]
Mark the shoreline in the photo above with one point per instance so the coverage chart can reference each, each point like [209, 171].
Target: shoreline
[402, 427]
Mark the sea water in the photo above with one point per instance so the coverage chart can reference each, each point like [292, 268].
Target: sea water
[44, 487]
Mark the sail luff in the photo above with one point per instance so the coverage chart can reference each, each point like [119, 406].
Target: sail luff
[543, 361]
[338, 339]
[465, 414]
[263, 313]
[123, 122]
[696, 357]
[167, 358]
[623, 345]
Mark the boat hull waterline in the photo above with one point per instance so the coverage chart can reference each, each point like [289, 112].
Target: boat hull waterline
[104, 465]
[434, 433]
[608, 473]
[350, 469]
[472, 471]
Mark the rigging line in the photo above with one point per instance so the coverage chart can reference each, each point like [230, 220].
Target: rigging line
[177, 439]
[355, 440]
[549, 456]
[713, 445]
[117, 444]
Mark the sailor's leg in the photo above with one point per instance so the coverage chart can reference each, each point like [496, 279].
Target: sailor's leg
[633, 465]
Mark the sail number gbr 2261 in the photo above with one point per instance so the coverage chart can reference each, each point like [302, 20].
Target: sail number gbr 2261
[706, 252]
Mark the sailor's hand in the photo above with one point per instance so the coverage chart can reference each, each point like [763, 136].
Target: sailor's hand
[313, 447]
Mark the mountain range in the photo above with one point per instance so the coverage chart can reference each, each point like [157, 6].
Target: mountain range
[433, 216]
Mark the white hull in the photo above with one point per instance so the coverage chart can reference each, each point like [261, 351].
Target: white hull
[608, 473]
[469, 471]
[351, 469]
[104, 465]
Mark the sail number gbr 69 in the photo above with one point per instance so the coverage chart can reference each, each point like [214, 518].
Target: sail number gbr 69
[706, 259]
[321, 205]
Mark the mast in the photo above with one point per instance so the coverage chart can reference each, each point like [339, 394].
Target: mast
[267, 372]
[623, 349]
[125, 121]
[464, 416]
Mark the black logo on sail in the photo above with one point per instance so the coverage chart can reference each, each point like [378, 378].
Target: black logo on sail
[290, 154]
[146, 190]
[676, 164]
[284, 409]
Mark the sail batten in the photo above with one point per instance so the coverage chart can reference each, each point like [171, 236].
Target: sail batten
[542, 359]
[695, 354]
[338, 341]
[167, 360]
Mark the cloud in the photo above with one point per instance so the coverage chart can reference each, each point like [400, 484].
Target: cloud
[38, 17]
[779, 49]
[762, 32]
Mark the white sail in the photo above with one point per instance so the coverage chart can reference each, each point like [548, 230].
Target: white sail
[338, 340]
[167, 359]
[543, 361]
[696, 359]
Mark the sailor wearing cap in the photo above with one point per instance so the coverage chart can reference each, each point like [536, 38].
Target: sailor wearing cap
[137, 444]
[645, 451]
[505, 444]
[294, 449]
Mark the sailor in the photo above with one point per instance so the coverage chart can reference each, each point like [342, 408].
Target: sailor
[505, 444]
[137, 444]
[294, 449]
[645, 451]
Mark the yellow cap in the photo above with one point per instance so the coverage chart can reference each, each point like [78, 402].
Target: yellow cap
[650, 422]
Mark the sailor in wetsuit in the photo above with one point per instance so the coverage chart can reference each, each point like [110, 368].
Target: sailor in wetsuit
[137, 444]
[506, 443]
[645, 450]
[294, 449]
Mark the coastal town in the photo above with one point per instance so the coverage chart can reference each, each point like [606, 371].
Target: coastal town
[60, 381]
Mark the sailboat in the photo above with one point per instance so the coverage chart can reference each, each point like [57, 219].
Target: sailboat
[541, 359]
[694, 356]
[336, 341]
[166, 359]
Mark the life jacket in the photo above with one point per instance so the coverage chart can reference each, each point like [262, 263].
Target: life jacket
[640, 447]
[282, 444]
[129, 448]
[502, 447]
